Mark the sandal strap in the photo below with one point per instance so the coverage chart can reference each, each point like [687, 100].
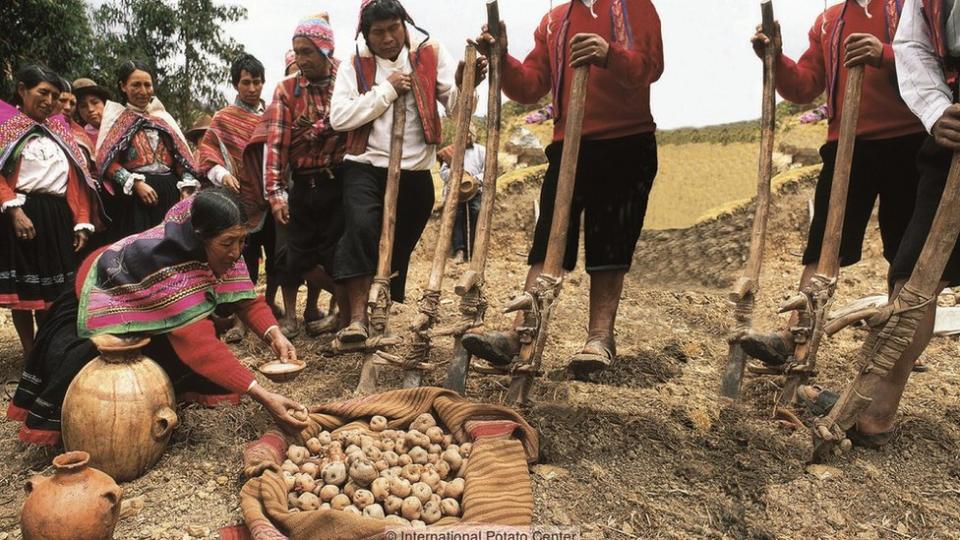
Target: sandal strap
[597, 347]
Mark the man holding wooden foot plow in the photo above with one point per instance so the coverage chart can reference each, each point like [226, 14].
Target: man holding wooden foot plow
[617, 164]
[927, 47]
[870, 152]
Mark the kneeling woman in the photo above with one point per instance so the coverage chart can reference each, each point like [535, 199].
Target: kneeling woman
[164, 283]
[142, 156]
[47, 197]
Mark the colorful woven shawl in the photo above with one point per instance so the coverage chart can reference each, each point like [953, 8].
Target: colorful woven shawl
[251, 172]
[891, 11]
[121, 123]
[16, 129]
[225, 139]
[157, 281]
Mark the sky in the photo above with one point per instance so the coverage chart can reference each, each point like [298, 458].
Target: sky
[711, 75]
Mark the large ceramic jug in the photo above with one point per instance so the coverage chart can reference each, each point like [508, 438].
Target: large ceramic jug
[76, 503]
[119, 409]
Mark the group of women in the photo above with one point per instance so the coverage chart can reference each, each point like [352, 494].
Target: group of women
[101, 231]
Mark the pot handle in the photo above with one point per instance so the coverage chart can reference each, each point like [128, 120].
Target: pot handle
[113, 496]
[166, 420]
[33, 484]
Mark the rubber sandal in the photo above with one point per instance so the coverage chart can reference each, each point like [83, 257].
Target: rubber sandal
[920, 366]
[595, 356]
[355, 333]
[495, 347]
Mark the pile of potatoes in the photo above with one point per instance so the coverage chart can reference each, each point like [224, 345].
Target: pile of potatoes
[411, 478]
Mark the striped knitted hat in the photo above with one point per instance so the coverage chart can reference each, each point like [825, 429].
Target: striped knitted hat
[317, 29]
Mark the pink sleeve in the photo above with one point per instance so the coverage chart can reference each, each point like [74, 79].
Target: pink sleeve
[198, 347]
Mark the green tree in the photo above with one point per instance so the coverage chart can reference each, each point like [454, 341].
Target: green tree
[52, 32]
[182, 39]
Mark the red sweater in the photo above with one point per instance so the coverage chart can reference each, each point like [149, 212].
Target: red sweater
[197, 345]
[883, 114]
[618, 95]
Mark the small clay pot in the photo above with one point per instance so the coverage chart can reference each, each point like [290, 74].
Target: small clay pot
[76, 503]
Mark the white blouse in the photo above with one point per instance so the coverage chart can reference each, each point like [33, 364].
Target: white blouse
[44, 168]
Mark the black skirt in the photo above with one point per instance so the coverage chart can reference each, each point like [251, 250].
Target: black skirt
[33, 273]
[130, 216]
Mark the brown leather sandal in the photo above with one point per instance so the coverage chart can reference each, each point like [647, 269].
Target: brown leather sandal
[355, 333]
[595, 356]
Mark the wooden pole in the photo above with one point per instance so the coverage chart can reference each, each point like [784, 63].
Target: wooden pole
[548, 284]
[379, 298]
[470, 286]
[890, 337]
[823, 285]
[745, 288]
[429, 303]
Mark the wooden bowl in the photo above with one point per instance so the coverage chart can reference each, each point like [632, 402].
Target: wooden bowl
[280, 372]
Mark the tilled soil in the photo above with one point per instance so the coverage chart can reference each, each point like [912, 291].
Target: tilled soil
[647, 449]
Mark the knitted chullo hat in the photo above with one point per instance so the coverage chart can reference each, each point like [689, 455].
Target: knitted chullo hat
[317, 29]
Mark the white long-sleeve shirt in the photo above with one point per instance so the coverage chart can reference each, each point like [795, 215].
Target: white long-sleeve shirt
[349, 110]
[922, 84]
[473, 162]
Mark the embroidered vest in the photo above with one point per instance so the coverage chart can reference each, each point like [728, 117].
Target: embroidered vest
[425, 61]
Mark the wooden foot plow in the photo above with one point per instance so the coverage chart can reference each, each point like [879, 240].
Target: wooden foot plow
[745, 289]
[815, 300]
[379, 301]
[539, 303]
[892, 326]
[423, 326]
[473, 302]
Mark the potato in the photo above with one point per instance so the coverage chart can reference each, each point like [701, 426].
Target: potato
[374, 511]
[308, 502]
[421, 491]
[297, 454]
[351, 509]
[362, 498]
[435, 434]
[411, 508]
[450, 507]
[392, 504]
[325, 438]
[431, 513]
[400, 487]
[430, 478]
[334, 473]
[340, 502]
[380, 489]
[419, 456]
[454, 489]
[314, 446]
[328, 492]
[290, 467]
[310, 468]
[363, 471]
[423, 422]
[412, 472]
[378, 423]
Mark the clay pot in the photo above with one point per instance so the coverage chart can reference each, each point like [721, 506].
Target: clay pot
[76, 503]
[119, 409]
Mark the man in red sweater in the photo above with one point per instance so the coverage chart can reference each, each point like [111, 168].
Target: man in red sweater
[621, 40]
[856, 32]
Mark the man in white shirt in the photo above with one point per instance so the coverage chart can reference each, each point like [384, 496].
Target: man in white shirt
[464, 229]
[927, 59]
[390, 69]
